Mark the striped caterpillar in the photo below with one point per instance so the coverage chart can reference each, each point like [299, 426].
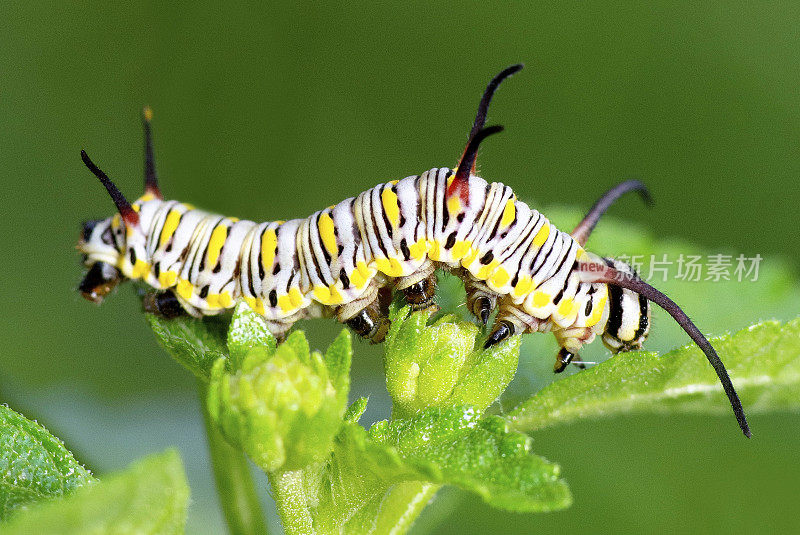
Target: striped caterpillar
[345, 261]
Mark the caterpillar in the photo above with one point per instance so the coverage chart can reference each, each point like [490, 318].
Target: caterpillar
[345, 261]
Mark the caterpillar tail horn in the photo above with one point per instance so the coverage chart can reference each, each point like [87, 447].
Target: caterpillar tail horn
[592, 272]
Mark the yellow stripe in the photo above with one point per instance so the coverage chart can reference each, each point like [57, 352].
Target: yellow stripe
[215, 245]
[225, 300]
[390, 206]
[509, 212]
[170, 225]
[454, 205]
[326, 232]
[268, 245]
[542, 235]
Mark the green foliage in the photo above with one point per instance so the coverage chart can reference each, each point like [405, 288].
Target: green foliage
[357, 488]
[150, 497]
[195, 344]
[443, 364]
[284, 404]
[247, 331]
[34, 465]
[763, 361]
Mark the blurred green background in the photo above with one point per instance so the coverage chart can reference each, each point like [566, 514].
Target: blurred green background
[270, 112]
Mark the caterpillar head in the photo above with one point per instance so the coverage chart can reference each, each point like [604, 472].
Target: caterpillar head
[113, 248]
[101, 256]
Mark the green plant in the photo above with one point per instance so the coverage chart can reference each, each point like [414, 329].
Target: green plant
[285, 407]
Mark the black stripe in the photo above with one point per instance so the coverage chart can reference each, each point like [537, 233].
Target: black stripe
[643, 319]
[615, 302]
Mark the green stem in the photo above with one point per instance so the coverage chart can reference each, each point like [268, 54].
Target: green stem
[235, 488]
[290, 499]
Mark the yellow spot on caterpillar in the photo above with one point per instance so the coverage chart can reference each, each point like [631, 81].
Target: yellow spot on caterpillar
[215, 245]
[364, 269]
[566, 307]
[454, 205]
[509, 212]
[418, 250]
[540, 299]
[326, 232]
[460, 249]
[285, 303]
[542, 235]
[393, 182]
[225, 300]
[268, 246]
[391, 207]
[523, 287]
[140, 269]
[188, 206]
[167, 279]
[233, 219]
[255, 303]
[390, 266]
[115, 221]
[322, 294]
[170, 226]
[148, 114]
[451, 177]
[295, 297]
[185, 289]
[357, 279]
[499, 278]
[485, 271]
[328, 295]
[212, 301]
[434, 249]
[597, 312]
[146, 197]
[581, 254]
[471, 256]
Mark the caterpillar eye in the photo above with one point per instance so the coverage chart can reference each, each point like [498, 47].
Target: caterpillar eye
[99, 281]
[88, 227]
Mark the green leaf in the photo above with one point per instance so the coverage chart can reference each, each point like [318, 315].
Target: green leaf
[356, 410]
[34, 464]
[196, 344]
[443, 364]
[338, 359]
[763, 362]
[247, 331]
[368, 471]
[150, 497]
[282, 408]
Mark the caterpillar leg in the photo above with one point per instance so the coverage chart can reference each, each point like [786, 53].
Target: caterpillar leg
[510, 321]
[564, 358]
[369, 317]
[370, 323]
[163, 304]
[421, 294]
[481, 301]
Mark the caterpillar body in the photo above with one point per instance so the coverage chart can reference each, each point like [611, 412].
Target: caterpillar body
[345, 261]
